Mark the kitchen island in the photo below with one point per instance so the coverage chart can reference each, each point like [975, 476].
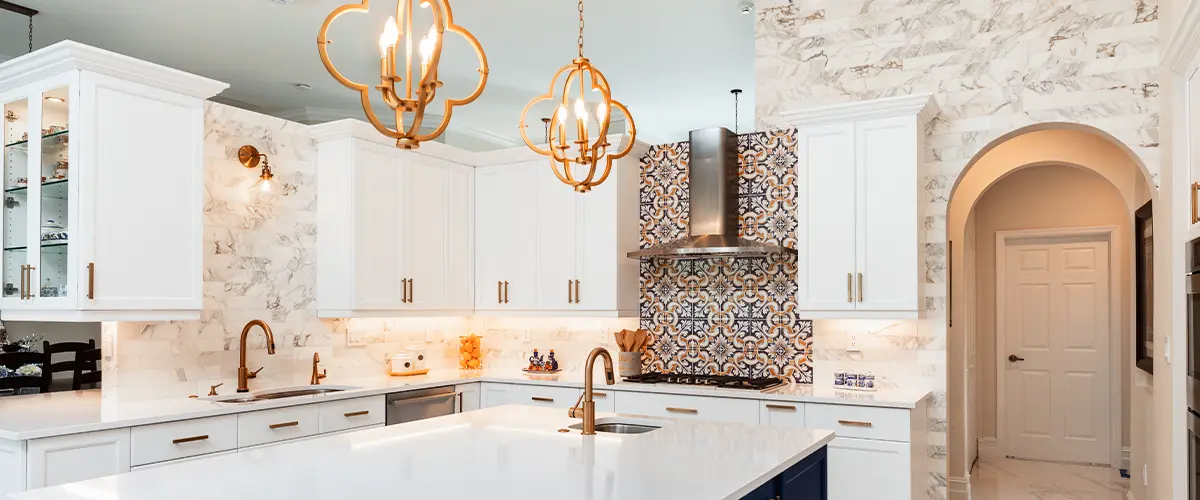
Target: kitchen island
[505, 452]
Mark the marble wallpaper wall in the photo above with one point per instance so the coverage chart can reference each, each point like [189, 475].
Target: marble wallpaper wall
[726, 316]
[259, 262]
[994, 67]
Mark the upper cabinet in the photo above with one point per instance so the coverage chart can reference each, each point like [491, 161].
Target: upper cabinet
[859, 239]
[103, 187]
[395, 226]
[545, 250]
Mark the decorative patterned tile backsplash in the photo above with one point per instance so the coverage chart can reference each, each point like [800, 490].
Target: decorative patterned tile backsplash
[730, 316]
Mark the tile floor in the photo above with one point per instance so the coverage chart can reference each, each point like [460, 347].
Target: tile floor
[1008, 479]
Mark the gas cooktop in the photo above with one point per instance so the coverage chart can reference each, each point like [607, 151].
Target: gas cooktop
[722, 381]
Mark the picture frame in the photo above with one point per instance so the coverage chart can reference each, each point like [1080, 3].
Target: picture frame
[1143, 241]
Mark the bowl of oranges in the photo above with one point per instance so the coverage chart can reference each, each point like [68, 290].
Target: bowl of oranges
[470, 357]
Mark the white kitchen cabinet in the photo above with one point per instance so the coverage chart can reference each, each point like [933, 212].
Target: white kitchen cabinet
[280, 424]
[566, 251]
[606, 401]
[186, 438]
[469, 397]
[12, 467]
[92, 139]
[345, 414]
[859, 241]
[492, 395]
[781, 414]
[528, 395]
[395, 227]
[77, 457]
[506, 266]
[688, 407]
[886, 463]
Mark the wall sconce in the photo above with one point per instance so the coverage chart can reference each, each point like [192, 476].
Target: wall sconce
[251, 158]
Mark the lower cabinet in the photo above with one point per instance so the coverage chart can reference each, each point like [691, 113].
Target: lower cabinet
[77, 457]
[887, 463]
[469, 397]
[688, 407]
[281, 424]
[807, 480]
[350, 414]
[183, 439]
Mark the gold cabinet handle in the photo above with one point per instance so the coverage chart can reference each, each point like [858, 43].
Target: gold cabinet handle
[1195, 202]
[781, 407]
[599, 395]
[283, 425]
[91, 281]
[23, 266]
[357, 413]
[849, 287]
[505, 292]
[499, 292]
[403, 290]
[411, 282]
[855, 423]
[542, 400]
[860, 287]
[576, 291]
[570, 298]
[192, 439]
[688, 411]
[29, 280]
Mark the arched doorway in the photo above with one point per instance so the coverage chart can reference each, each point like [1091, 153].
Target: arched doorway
[1088, 152]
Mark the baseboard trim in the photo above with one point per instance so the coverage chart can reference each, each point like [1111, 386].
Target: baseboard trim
[989, 448]
[958, 488]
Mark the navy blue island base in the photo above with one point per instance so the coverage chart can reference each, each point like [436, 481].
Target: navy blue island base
[807, 480]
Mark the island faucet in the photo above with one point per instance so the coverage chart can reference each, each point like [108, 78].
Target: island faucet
[244, 374]
[588, 413]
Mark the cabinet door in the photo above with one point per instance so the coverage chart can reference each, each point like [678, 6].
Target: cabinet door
[469, 397]
[140, 215]
[494, 395]
[825, 239]
[428, 231]
[17, 229]
[12, 467]
[556, 243]
[598, 251]
[781, 414]
[379, 241]
[506, 237]
[887, 463]
[808, 480]
[77, 457]
[887, 211]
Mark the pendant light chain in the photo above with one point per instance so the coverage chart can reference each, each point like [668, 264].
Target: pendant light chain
[30, 33]
[580, 28]
[735, 112]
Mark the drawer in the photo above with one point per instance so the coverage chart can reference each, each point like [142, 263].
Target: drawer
[606, 401]
[183, 439]
[281, 424]
[544, 396]
[688, 407]
[891, 424]
[351, 413]
[781, 413]
[182, 460]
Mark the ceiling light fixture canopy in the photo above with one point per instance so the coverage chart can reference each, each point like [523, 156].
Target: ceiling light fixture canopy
[407, 94]
[590, 152]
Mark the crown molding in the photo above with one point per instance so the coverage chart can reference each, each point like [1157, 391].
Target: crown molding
[922, 106]
[488, 137]
[1185, 43]
[68, 55]
[350, 128]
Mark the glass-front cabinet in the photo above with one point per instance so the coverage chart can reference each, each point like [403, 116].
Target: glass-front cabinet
[37, 195]
[103, 182]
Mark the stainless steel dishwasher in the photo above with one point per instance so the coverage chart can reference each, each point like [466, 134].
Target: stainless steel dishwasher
[419, 405]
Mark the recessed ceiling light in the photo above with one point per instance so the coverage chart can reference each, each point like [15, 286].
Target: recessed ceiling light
[283, 2]
[55, 99]
[303, 86]
[746, 7]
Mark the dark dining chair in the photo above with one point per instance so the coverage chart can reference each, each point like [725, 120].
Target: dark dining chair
[87, 370]
[62, 348]
[14, 360]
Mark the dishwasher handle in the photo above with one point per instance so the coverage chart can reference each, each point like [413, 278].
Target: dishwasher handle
[402, 402]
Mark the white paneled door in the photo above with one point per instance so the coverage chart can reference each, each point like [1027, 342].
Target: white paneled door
[1053, 316]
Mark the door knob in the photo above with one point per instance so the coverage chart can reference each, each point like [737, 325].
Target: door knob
[1013, 358]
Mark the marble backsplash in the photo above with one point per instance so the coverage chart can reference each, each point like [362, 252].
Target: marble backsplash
[259, 263]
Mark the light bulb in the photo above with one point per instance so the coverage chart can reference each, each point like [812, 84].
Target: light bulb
[427, 44]
[581, 110]
[561, 114]
[601, 112]
[391, 32]
[264, 185]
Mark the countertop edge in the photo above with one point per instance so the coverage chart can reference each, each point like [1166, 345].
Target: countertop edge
[219, 409]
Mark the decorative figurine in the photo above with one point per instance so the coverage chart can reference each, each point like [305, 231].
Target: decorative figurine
[535, 362]
[551, 364]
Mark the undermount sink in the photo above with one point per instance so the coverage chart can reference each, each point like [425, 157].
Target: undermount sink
[613, 425]
[287, 392]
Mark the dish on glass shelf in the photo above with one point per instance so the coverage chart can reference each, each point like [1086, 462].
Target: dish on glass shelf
[53, 231]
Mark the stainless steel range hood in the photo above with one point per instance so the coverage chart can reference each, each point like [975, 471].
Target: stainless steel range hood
[713, 217]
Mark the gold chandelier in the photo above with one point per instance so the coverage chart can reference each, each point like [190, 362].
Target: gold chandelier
[415, 99]
[590, 153]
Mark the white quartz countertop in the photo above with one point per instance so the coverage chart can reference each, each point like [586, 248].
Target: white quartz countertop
[61, 413]
[507, 452]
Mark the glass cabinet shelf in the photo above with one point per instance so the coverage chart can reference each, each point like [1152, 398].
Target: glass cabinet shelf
[61, 245]
[53, 143]
[52, 188]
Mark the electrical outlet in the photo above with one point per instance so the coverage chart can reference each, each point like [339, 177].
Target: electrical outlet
[1167, 349]
[526, 335]
[852, 343]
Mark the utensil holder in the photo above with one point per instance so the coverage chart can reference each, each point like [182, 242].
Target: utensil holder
[629, 364]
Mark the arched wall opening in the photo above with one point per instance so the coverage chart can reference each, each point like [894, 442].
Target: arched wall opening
[1035, 148]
